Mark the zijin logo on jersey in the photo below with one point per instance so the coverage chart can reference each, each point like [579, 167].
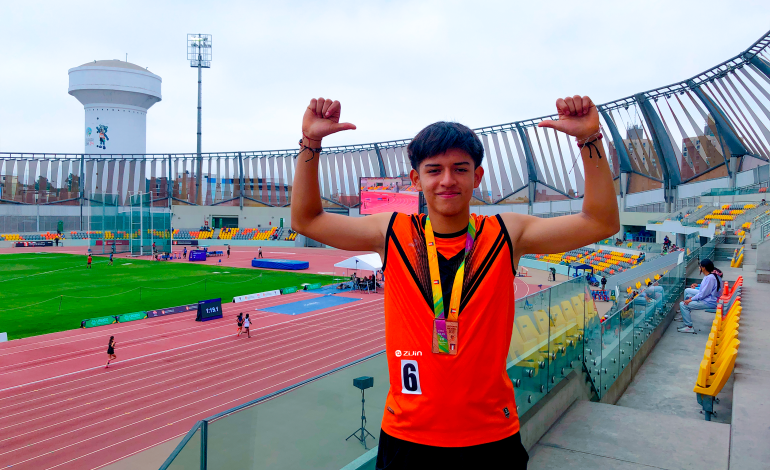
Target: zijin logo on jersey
[400, 353]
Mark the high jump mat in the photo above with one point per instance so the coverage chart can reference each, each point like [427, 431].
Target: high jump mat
[308, 305]
[288, 264]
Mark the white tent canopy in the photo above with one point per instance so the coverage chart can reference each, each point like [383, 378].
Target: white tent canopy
[370, 262]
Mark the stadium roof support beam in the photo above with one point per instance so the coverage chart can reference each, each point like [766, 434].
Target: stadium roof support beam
[724, 125]
[531, 172]
[379, 161]
[762, 65]
[662, 143]
[624, 162]
[620, 146]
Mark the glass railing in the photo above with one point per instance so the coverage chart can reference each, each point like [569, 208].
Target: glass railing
[645, 246]
[756, 189]
[555, 331]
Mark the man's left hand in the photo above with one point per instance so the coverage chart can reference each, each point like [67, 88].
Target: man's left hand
[687, 302]
[578, 117]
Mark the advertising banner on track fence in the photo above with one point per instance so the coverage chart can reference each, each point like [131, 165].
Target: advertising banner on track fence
[100, 321]
[289, 290]
[185, 242]
[112, 242]
[258, 295]
[317, 285]
[171, 310]
[126, 317]
[37, 243]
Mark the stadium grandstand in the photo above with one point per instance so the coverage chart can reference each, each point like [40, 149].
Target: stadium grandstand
[691, 163]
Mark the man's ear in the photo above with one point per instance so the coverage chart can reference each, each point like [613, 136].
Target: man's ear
[415, 177]
[478, 173]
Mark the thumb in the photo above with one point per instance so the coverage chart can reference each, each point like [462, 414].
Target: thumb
[556, 125]
[344, 126]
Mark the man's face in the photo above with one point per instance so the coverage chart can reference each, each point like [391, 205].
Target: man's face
[447, 181]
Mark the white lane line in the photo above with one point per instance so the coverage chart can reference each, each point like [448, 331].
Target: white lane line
[189, 353]
[207, 411]
[132, 344]
[127, 328]
[177, 397]
[112, 431]
[256, 345]
[180, 347]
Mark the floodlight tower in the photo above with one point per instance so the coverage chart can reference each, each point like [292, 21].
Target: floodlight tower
[199, 55]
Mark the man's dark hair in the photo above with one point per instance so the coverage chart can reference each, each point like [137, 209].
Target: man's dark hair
[441, 136]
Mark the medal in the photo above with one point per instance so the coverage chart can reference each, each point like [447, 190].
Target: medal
[446, 329]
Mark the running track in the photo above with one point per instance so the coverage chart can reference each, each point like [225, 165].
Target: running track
[62, 409]
[65, 410]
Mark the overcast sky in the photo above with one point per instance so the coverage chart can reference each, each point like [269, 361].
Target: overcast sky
[396, 66]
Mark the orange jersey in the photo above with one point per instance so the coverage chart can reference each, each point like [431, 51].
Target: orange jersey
[438, 399]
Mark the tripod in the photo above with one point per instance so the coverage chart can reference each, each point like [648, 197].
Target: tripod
[362, 429]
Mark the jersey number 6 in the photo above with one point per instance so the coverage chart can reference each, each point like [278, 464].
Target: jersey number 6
[410, 377]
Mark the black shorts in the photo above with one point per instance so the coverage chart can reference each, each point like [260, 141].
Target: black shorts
[111, 352]
[397, 454]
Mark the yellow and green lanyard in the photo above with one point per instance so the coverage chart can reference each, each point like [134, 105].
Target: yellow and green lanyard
[445, 329]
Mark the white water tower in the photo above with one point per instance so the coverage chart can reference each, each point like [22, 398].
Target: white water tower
[116, 96]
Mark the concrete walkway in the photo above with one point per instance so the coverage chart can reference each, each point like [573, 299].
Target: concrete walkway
[750, 437]
[597, 436]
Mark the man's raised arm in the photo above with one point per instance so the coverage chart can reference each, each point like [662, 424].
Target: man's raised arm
[307, 215]
[598, 219]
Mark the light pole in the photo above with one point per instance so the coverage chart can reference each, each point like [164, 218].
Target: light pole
[199, 55]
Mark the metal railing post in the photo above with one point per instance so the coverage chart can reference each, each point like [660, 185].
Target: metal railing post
[204, 444]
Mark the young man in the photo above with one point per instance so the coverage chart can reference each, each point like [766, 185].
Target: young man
[450, 296]
[110, 259]
[184, 253]
[260, 252]
[88, 262]
[228, 251]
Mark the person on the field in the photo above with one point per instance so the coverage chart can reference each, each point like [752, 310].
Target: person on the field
[184, 253]
[246, 325]
[228, 251]
[239, 320]
[88, 262]
[110, 259]
[260, 252]
[111, 351]
[450, 299]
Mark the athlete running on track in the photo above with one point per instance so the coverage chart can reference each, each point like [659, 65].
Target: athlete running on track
[450, 301]
[111, 351]
[246, 325]
[239, 319]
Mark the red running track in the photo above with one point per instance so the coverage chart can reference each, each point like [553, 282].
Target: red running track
[62, 409]
[65, 410]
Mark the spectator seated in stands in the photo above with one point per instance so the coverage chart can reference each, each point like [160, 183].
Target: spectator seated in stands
[701, 297]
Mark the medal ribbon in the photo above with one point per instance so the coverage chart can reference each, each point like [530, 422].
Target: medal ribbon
[435, 277]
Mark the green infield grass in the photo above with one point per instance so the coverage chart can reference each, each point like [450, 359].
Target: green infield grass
[47, 292]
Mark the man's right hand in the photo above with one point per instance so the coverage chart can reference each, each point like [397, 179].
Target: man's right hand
[322, 118]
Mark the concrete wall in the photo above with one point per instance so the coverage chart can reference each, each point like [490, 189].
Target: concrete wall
[251, 217]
